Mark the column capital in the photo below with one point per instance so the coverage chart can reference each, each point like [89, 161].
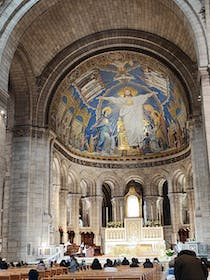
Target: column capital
[96, 198]
[75, 195]
[63, 190]
[117, 198]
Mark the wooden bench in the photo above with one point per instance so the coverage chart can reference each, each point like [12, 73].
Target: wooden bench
[22, 273]
[122, 273]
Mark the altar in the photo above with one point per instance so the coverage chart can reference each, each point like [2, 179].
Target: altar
[134, 239]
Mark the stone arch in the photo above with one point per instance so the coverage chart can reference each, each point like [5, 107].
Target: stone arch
[184, 71]
[56, 171]
[157, 184]
[22, 86]
[13, 15]
[25, 14]
[136, 178]
[84, 187]
[200, 42]
[72, 184]
[178, 181]
[110, 179]
[89, 181]
[189, 177]
[64, 174]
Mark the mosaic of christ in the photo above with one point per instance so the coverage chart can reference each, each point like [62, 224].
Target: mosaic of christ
[120, 103]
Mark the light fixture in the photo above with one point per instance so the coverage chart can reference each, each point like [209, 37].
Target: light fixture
[199, 98]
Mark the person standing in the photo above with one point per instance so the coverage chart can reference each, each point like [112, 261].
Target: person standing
[188, 267]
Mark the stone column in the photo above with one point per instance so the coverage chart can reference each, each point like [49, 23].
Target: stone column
[118, 208]
[160, 210]
[207, 21]
[55, 212]
[191, 203]
[96, 217]
[63, 213]
[176, 214]
[73, 202]
[5, 161]
[2, 165]
[151, 208]
[29, 217]
[200, 164]
[85, 212]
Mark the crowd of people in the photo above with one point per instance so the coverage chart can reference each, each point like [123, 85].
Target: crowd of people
[185, 266]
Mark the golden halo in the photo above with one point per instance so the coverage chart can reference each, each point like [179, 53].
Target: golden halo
[108, 109]
[132, 91]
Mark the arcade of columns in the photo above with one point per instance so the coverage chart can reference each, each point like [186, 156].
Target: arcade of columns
[72, 183]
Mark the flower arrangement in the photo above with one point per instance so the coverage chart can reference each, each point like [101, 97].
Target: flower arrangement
[169, 252]
[114, 224]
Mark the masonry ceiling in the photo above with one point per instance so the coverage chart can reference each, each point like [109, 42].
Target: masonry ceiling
[65, 22]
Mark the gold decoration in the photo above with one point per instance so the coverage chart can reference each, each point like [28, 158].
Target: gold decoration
[122, 138]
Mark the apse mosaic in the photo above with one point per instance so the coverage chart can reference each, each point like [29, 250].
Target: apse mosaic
[119, 104]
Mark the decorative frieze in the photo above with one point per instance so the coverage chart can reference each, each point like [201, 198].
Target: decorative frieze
[124, 164]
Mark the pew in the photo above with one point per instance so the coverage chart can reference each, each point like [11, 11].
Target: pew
[123, 273]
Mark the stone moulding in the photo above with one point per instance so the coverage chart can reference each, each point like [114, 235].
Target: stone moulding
[123, 162]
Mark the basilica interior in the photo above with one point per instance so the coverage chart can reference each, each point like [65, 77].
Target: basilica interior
[104, 126]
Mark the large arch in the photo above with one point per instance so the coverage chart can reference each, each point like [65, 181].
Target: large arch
[24, 15]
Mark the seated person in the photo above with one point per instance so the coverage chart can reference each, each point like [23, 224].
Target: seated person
[89, 251]
[73, 265]
[33, 274]
[3, 264]
[55, 263]
[134, 262]
[116, 262]
[63, 263]
[156, 260]
[188, 266]
[169, 274]
[108, 263]
[83, 263]
[125, 261]
[147, 264]
[96, 264]
[41, 265]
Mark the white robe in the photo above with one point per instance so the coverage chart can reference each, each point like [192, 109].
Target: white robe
[132, 114]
